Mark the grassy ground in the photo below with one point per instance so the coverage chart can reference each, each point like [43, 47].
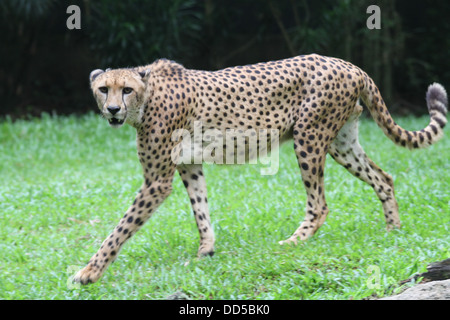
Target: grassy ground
[65, 182]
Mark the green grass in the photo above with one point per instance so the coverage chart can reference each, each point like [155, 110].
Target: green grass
[66, 182]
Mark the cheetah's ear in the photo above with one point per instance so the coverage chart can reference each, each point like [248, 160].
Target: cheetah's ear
[94, 74]
[144, 74]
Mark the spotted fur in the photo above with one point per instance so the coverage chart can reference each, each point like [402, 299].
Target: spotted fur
[311, 99]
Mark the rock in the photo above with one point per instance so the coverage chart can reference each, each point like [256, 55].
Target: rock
[435, 290]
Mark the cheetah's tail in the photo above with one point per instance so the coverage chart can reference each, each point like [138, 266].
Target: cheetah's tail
[437, 107]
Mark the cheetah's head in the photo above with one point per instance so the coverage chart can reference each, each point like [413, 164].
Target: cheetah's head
[120, 94]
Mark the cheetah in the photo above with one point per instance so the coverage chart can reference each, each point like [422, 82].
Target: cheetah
[311, 99]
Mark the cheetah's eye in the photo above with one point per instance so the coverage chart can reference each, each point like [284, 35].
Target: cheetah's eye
[127, 90]
[103, 89]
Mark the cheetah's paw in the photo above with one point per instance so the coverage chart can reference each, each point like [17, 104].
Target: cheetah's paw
[88, 274]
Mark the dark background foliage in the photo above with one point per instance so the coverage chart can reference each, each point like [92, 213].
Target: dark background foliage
[44, 67]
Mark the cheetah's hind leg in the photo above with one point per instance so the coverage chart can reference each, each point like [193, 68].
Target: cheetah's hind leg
[347, 151]
[311, 155]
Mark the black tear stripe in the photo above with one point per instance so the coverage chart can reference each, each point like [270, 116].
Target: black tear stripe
[124, 104]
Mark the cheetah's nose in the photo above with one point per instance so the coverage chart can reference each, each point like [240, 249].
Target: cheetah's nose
[113, 109]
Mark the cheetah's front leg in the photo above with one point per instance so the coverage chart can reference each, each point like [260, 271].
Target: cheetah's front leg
[147, 201]
[194, 181]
